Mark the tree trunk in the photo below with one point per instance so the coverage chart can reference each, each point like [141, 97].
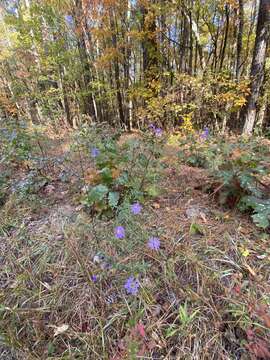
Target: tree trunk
[223, 50]
[215, 38]
[116, 67]
[250, 32]
[88, 106]
[262, 113]
[183, 40]
[149, 43]
[65, 95]
[257, 67]
[239, 39]
[190, 70]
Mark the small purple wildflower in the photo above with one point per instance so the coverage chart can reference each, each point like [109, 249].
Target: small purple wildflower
[158, 132]
[152, 127]
[154, 243]
[132, 285]
[95, 152]
[205, 134]
[119, 232]
[94, 278]
[136, 208]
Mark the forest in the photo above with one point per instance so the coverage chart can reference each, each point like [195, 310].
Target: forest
[135, 179]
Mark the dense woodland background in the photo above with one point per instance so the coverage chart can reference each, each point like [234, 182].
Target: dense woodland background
[132, 62]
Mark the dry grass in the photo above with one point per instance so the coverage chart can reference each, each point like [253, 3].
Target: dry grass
[202, 296]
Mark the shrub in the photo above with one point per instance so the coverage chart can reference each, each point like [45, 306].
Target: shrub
[239, 166]
[16, 143]
[190, 101]
[122, 171]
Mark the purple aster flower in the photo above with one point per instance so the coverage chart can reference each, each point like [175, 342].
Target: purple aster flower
[132, 285]
[152, 127]
[205, 134]
[94, 278]
[158, 132]
[136, 208]
[154, 243]
[95, 152]
[119, 232]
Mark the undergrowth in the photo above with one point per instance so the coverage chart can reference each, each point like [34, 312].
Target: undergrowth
[119, 172]
[139, 283]
[239, 168]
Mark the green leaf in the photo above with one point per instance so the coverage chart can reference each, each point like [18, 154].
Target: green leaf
[196, 229]
[106, 175]
[261, 216]
[97, 194]
[171, 331]
[123, 179]
[143, 160]
[50, 348]
[153, 191]
[262, 219]
[113, 198]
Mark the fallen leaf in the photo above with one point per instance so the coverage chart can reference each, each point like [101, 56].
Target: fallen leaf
[251, 271]
[250, 334]
[263, 313]
[236, 154]
[237, 289]
[193, 212]
[92, 176]
[259, 349]
[115, 173]
[203, 217]
[266, 319]
[140, 329]
[61, 329]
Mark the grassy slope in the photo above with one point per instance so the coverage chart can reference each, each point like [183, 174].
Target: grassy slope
[202, 296]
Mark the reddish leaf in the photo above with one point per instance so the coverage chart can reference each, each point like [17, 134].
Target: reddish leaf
[266, 319]
[237, 289]
[140, 329]
[250, 334]
[264, 315]
[259, 349]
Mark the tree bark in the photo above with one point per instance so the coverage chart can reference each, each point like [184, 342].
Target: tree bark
[244, 68]
[239, 39]
[116, 67]
[257, 67]
[149, 43]
[88, 106]
[223, 50]
[190, 70]
[64, 90]
[184, 41]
